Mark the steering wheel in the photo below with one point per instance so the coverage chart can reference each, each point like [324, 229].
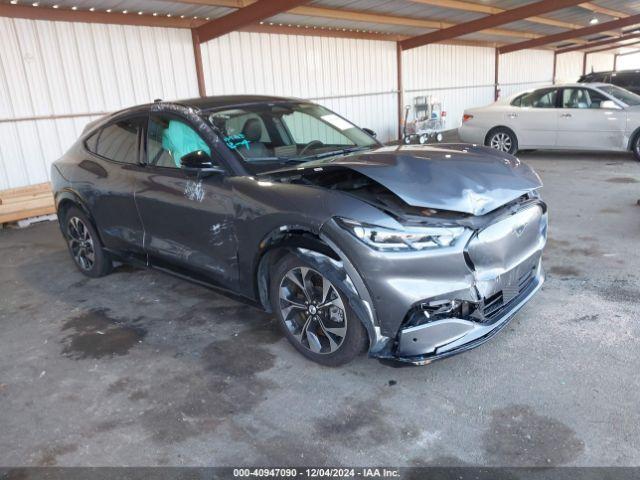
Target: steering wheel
[309, 145]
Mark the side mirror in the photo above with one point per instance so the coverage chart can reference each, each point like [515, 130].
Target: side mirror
[197, 159]
[200, 162]
[370, 132]
[610, 105]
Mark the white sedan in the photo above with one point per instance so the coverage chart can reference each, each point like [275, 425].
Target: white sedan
[594, 116]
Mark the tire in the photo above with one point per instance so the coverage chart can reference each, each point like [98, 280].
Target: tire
[84, 244]
[635, 147]
[325, 330]
[503, 140]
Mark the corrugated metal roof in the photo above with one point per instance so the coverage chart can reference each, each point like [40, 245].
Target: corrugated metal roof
[175, 9]
[287, 19]
[399, 8]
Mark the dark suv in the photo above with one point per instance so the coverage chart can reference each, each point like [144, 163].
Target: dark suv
[411, 252]
[628, 79]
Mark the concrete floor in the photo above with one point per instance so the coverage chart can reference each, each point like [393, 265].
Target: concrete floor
[140, 368]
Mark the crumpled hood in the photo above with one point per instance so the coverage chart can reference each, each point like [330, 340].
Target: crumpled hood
[454, 177]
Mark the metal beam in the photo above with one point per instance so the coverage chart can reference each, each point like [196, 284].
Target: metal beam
[320, 32]
[508, 16]
[400, 92]
[117, 18]
[605, 11]
[197, 54]
[559, 37]
[633, 52]
[614, 47]
[599, 43]
[245, 16]
[368, 17]
[480, 8]
[496, 89]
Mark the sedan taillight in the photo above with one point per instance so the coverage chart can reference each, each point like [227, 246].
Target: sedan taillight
[466, 117]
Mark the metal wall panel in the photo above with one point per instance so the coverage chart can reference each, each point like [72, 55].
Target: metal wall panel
[60, 68]
[599, 62]
[459, 76]
[355, 78]
[569, 67]
[524, 70]
[629, 62]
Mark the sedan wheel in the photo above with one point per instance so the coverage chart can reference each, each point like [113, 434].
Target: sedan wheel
[312, 310]
[501, 141]
[81, 243]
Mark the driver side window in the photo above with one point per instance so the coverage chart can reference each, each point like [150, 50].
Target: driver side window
[581, 98]
[170, 139]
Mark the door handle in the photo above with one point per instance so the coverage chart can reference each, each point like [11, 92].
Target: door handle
[566, 115]
[513, 115]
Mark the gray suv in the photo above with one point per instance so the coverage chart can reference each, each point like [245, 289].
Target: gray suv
[413, 253]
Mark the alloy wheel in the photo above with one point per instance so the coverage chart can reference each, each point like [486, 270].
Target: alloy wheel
[312, 310]
[81, 243]
[501, 141]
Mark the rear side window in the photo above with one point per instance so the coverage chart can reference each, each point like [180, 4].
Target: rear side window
[538, 99]
[118, 141]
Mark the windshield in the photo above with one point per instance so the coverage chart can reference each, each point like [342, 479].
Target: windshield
[625, 96]
[287, 133]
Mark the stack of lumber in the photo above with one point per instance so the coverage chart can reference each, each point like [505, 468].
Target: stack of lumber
[26, 202]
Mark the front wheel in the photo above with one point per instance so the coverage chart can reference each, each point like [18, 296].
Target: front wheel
[314, 314]
[503, 140]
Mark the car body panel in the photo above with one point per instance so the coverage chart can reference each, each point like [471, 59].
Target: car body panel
[189, 222]
[592, 129]
[534, 127]
[454, 177]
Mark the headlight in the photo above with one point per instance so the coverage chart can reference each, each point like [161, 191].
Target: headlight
[412, 238]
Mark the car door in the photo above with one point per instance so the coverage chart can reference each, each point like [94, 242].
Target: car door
[188, 219]
[534, 118]
[108, 179]
[585, 121]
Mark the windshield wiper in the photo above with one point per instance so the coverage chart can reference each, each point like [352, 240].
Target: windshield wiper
[342, 151]
[283, 160]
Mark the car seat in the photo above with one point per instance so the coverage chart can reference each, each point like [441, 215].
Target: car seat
[252, 131]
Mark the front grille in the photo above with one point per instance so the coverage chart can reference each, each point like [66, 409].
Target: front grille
[496, 303]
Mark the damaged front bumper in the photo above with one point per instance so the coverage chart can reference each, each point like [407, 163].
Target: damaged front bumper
[433, 304]
[443, 338]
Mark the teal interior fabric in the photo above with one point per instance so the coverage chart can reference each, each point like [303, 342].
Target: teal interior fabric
[180, 140]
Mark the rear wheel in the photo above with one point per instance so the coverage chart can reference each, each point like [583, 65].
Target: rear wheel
[502, 139]
[314, 315]
[84, 244]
